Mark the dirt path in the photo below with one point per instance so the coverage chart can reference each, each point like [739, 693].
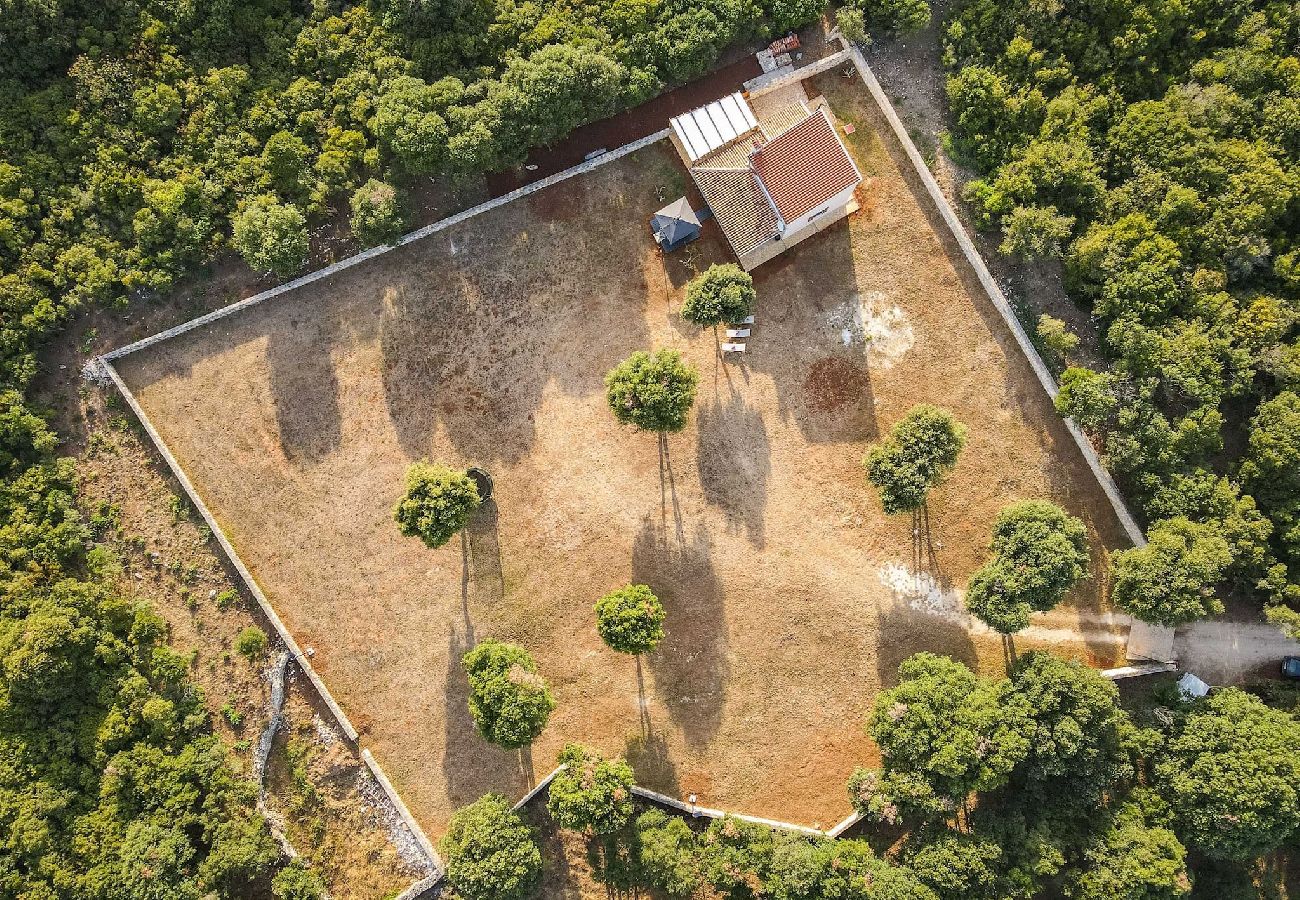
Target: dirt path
[1232, 652]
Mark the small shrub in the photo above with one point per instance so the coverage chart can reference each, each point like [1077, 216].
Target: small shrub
[1056, 339]
[652, 391]
[593, 794]
[630, 619]
[509, 702]
[227, 599]
[297, 882]
[852, 24]
[233, 717]
[251, 642]
[437, 503]
[724, 293]
[895, 15]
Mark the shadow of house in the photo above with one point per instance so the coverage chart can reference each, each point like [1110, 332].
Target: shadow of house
[690, 665]
[734, 460]
[305, 388]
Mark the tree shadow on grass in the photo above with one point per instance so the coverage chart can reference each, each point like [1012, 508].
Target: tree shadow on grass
[305, 389]
[735, 461]
[647, 750]
[690, 665]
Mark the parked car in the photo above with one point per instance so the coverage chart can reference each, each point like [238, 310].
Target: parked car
[1291, 667]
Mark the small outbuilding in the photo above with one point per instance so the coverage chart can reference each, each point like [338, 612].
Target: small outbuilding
[675, 225]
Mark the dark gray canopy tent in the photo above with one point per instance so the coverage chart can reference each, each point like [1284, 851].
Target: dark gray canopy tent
[674, 225]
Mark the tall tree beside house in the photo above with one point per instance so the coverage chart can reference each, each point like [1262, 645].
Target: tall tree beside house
[724, 293]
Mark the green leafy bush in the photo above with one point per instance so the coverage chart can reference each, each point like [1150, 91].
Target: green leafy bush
[490, 853]
[297, 881]
[724, 293]
[437, 503]
[509, 702]
[271, 236]
[251, 642]
[895, 15]
[592, 794]
[919, 452]
[377, 216]
[668, 855]
[652, 391]
[630, 619]
[1171, 580]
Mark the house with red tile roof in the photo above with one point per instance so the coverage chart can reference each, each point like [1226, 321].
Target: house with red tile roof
[771, 179]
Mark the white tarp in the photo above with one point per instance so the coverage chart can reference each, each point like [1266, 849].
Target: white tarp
[1192, 687]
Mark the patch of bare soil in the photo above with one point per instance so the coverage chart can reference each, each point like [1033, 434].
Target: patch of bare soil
[487, 344]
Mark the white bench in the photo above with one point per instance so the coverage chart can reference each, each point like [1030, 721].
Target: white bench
[737, 332]
[733, 348]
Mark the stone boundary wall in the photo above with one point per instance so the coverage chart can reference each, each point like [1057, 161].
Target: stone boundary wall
[760, 86]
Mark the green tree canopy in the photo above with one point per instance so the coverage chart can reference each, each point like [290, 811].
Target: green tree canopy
[1039, 553]
[1131, 860]
[1232, 776]
[919, 452]
[947, 732]
[592, 794]
[271, 236]
[1271, 471]
[1171, 581]
[895, 15]
[490, 853]
[377, 216]
[736, 857]
[652, 391]
[630, 619]
[437, 503]
[724, 293]
[667, 853]
[509, 701]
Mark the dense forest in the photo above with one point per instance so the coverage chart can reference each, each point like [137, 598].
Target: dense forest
[1153, 145]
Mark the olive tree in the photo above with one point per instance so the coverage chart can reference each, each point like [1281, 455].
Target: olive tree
[919, 452]
[1171, 581]
[591, 794]
[630, 619]
[437, 503]
[1232, 777]
[724, 293]
[509, 702]
[652, 391]
[490, 853]
[1039, 553]
[271, 236]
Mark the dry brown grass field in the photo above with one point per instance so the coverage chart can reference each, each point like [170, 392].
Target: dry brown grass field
[791, 597]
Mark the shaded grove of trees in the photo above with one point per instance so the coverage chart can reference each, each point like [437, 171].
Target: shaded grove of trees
[1154, 147]
[1040, 784]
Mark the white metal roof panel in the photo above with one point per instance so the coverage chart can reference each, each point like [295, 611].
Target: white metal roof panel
[704, 130]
